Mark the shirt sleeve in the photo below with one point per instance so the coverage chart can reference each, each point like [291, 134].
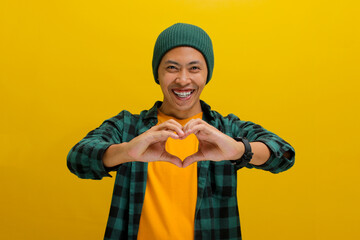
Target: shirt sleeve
[277, 162]
[85, 158]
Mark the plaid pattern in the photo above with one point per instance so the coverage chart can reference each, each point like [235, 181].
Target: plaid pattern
[216, 215]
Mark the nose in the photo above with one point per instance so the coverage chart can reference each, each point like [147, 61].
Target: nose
[183, 77]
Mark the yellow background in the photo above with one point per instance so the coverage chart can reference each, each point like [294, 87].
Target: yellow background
[291, 66]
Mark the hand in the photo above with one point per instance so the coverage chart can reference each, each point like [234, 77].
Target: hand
[213, 144]
[150, 146]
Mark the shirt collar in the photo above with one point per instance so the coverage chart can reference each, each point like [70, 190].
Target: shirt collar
[208, 115]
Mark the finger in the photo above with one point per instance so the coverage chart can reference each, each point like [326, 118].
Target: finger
[172, 159]
[171, 125]
[200, 128]
[191, 124]
[173, 122]
[161, 136]
[196, 157]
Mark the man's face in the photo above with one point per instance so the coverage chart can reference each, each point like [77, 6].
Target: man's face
[182, 76]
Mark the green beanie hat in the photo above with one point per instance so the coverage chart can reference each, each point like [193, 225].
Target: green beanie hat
[181, 34]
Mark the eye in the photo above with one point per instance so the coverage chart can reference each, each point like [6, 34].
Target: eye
[195, 69]
[171, 68]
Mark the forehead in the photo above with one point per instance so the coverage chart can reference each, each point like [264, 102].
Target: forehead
[184, 54]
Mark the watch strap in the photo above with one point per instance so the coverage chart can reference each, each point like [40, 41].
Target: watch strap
[247, 156]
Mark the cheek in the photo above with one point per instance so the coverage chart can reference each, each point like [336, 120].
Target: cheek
[203, 79]
[164, 89]
[202, 82]
[201, 88]
[165, 79]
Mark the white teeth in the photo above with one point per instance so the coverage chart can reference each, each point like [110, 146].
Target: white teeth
[183, 94]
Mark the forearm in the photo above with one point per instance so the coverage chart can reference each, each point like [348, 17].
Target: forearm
[115, 155]
[282, 154]
[261, 153]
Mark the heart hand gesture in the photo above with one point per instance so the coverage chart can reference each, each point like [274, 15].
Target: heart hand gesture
[213, 144]
[150, 146]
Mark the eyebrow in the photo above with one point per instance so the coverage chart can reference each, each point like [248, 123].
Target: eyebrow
[178, 64]
[193, 62]
[172, 62]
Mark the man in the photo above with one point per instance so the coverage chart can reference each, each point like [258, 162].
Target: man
[176, 163]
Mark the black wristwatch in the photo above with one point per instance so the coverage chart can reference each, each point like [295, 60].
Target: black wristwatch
[247, 156]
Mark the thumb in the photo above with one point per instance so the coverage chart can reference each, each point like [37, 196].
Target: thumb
[198, 156]
[167, 157]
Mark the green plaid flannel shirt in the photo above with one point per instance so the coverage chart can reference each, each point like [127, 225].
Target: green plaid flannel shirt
[216, 214]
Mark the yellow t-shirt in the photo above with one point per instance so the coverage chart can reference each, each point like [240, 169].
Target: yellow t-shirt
[170, 198]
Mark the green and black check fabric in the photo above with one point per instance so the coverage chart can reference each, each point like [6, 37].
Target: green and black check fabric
[216, 215]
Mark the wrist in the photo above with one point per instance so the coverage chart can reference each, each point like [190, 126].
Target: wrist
[123, 153]
[247, 153]
[240, 150]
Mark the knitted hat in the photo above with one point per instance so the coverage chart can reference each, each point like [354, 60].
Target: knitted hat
[181, 34]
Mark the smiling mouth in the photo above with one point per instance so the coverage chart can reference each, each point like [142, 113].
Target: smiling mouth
[183, 94]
